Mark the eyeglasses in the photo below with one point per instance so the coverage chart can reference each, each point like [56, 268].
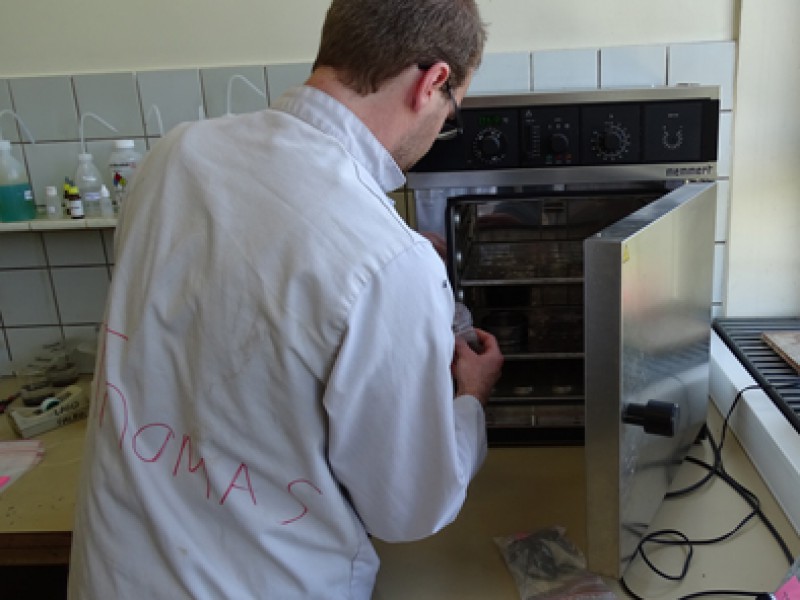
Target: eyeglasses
[453, 126]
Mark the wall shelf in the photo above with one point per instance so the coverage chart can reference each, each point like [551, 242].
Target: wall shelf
[59, 224]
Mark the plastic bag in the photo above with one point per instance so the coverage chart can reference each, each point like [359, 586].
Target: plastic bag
[462, 326]
[547, 566]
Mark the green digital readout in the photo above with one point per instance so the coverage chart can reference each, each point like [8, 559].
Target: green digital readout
[489, 120]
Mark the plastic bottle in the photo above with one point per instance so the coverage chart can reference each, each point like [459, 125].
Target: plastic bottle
[16, 197]
[75, 203]
[89, 181]
[106, 205]
[122, 163]
[52, 201]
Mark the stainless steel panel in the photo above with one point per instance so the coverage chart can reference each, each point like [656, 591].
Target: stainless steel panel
[591, 96]
[562, 175]
[647, 328]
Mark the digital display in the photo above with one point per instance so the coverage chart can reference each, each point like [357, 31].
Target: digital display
[489, 120]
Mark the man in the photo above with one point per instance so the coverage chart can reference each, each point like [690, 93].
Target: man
[275, 378]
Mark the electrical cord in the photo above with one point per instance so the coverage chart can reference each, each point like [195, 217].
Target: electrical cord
[716, 469]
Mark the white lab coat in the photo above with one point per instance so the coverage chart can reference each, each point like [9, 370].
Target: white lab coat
[273, 381]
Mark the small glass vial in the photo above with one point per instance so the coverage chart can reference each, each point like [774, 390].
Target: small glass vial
[106, 204]
[52, 201]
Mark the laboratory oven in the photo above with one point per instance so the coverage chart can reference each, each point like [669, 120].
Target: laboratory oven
[580, 232]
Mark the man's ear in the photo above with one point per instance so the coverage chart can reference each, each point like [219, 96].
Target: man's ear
[429, 84]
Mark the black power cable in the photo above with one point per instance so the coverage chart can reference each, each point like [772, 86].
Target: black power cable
[716, 469]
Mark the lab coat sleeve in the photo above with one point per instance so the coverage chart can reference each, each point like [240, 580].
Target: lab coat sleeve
[399, 443]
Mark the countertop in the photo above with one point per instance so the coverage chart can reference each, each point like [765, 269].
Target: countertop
[524, 489]
[518, 490]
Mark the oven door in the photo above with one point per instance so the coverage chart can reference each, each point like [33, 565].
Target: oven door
[647, 286]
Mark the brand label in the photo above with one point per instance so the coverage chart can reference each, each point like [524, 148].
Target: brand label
[683, 172]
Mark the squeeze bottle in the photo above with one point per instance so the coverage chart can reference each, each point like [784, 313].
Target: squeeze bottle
[89, 181]
[16, 197]
[122, 163]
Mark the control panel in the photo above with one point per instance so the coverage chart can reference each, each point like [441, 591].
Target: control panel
[580, 134]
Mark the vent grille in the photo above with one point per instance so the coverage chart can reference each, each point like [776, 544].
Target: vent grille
[777, 377]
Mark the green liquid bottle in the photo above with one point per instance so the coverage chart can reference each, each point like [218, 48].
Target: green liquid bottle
[16, 198]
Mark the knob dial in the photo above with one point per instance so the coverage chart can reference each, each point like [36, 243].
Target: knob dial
[489, 146]
[559, 143]
[612, 142]
[672, 140]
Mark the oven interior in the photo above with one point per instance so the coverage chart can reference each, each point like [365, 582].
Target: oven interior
[516, 261]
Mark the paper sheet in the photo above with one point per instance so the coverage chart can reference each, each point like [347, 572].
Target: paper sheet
[16, 458]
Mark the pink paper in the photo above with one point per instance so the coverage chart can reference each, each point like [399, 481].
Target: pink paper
[789, 590]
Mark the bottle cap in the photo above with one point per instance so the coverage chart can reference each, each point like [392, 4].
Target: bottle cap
[123, 143]
[104, 191]
[84, 157]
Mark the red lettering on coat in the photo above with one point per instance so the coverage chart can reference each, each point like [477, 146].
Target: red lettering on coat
[305, 508]
[187, 441]
[124, 401]
[242, 469]
[169, 433]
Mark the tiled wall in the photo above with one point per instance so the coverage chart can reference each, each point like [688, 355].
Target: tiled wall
[53, 283]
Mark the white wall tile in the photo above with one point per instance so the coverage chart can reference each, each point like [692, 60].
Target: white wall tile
[725, 148]
[712, 63]
[633, 66]
[74, 247]
[26, 298]
[79, 339]
[47, 106]
[112, 97]
[564, 69]
[283, 77]
[81, 293]
[723, 210]
[5, 358]
[243, 98]
[502, 73]
[173, 95]
[108, 244]
[22, 249]
[25, 342]
[718, 289]
[8, 125]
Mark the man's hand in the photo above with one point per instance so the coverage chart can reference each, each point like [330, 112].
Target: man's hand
[476, 373]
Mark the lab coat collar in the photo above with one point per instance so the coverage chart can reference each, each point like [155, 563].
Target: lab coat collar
[330, 116]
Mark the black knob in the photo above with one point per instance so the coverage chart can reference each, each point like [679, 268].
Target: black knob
[656, 417]
[559, 143]
[491, 145]
[611, 140]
